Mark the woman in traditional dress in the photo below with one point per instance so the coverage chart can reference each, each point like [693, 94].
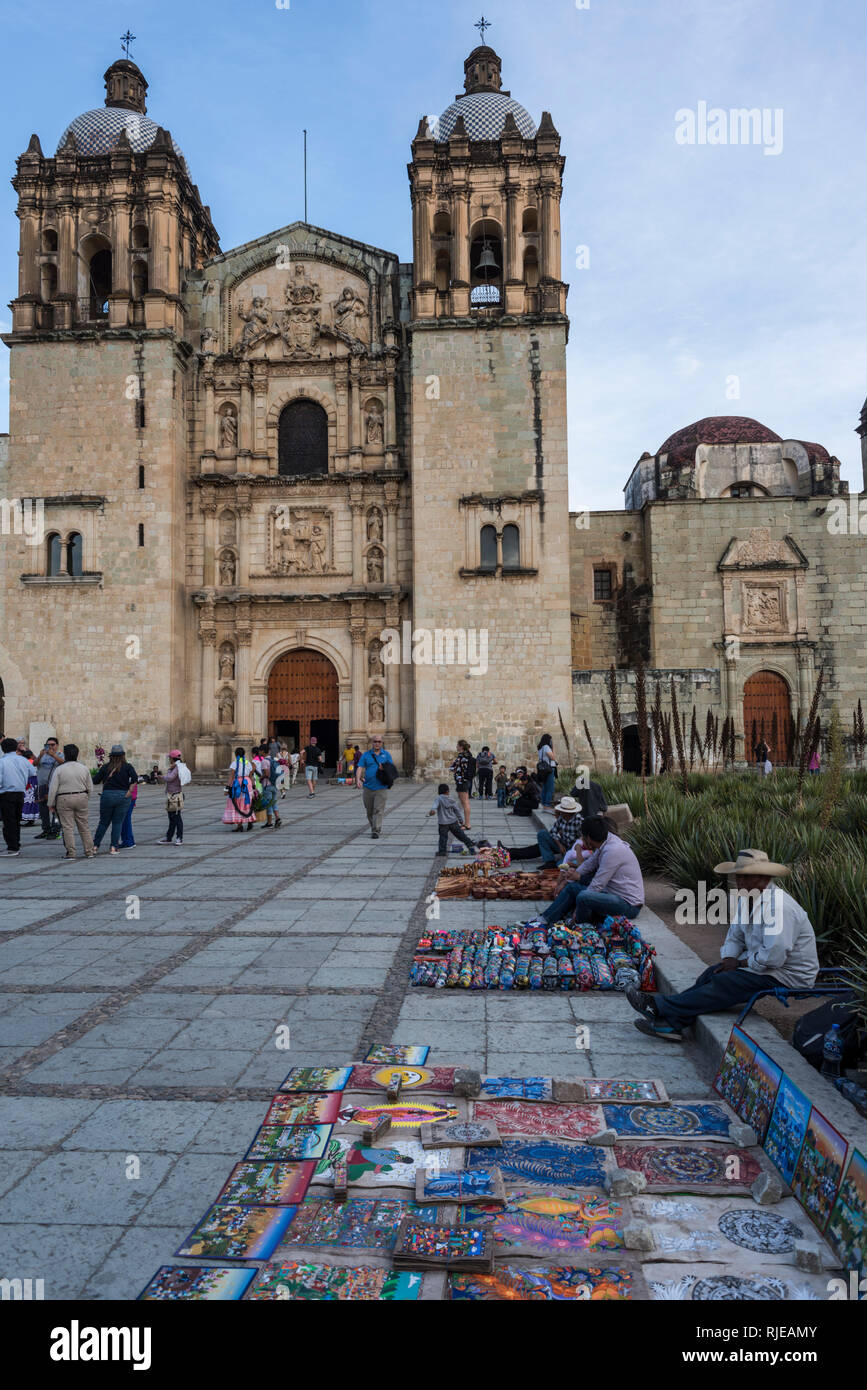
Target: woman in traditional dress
[30, 809]
[239, 798]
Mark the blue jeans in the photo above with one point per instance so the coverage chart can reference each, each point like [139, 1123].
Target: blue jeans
[712, 992]
[548, 847]
[112, 810]
[586, 904]
[452, 829]
[501, 796]
[547, 788]
[127, 839]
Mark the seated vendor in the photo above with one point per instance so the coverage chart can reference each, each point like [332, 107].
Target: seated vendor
[770, 942]
[607, 883]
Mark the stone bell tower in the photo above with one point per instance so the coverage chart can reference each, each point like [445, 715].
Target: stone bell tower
[488, 333]
[110, 226]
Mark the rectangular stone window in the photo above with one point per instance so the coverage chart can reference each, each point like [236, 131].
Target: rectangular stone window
[603, 585]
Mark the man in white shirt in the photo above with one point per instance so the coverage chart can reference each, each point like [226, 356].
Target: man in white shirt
[607, 884]
[770, 942]
[14, 772]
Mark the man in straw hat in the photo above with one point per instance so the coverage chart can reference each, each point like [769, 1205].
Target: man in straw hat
[770, 942]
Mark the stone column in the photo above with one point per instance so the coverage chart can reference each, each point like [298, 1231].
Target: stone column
[67, 284]
[358, 637]
[550, 267]
[461, 226]
[391, 508]
[208, 422]
[259, 697]
[209, 549]
[424, 249]
[392, 681]
[28, 276]
[805, 684]
[514, 269]
[243, 709]
[245, 424]
[356, 436]
[208, 636]
[244, 508]
[356, 506]
[260, 394]
[391, 408]
[341, 390]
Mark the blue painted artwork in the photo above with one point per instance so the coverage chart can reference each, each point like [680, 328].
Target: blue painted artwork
[667, 1121]
[517, 1088]
[787, 1128]
[544, 1161]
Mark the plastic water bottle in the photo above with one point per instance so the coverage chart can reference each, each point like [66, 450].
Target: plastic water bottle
[832, 1052]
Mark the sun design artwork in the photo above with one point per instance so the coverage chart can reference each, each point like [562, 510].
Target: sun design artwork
[401, 1116]
[409, 1076]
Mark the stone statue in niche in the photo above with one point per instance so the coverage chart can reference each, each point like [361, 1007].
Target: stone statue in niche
[377, 705]
[374, 659]
[349, 310]
[375, 568]
[228, 430]
[227, 662]
[374, 524]
[226, 707]
[228, 569]
[375, 424]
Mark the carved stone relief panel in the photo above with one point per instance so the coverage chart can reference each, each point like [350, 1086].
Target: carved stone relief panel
[300, 541]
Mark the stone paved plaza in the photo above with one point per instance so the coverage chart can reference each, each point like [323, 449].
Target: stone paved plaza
[140, 998]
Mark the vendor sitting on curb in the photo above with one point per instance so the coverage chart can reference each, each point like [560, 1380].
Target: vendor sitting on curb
[605, 883]
[770, 942]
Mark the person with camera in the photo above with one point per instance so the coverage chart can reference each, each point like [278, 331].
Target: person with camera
[375, 776]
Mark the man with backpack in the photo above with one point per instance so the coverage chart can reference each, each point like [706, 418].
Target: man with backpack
[374, 778]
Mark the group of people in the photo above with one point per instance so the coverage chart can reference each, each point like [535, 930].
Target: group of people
[63, 788]
[523, 790]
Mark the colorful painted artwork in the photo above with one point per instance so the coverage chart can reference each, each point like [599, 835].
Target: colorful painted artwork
[613, 1092]
[847, 1225]
[387, 1052]
[460, 1185]
[735, 1067]
[541, 1117]
[317, 1079]
[430, 1245]
[268, 1184]
[394, 1166]
[787, 1128]
[361, 1223]
[456, 1134]
[704, 1166]
[667, 1121]
[543, 1223]
[290, 1280]
[440, 1080]
[545, 1161]
[537, 1283]
[517, 1088]
[405, 1115]
[204, 1285]
[304, 1110]
[756, 1106]
[819, 1168]
[291, 1143]
[717, 1283]
[229, 1232]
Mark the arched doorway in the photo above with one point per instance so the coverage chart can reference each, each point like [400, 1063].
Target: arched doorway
[767, 715]
[303, 699]
[632, 751]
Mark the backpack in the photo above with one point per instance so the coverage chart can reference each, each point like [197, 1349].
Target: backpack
[386, 772]
[472, 767]
[809, 1032]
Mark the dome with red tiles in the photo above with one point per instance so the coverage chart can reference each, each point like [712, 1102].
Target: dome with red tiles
[718, 429]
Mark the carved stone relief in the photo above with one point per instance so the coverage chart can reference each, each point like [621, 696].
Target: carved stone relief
[377, 705]
[227, 662]
[228, 569]
[300, 541]
[763, 608]
[296, 327]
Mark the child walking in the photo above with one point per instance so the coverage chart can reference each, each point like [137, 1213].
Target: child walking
[449, 819]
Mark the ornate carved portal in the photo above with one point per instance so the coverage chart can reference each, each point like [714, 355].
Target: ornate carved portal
[767, 715]
[303, 700]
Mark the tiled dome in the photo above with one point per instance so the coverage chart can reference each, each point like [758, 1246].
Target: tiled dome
[484, 116]
[96, 131]
[718, 429]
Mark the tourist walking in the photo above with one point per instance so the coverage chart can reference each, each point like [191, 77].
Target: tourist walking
[463, 770]
[46, 765]
[238, 811]
[770, 942]
[69, 794]
[546, 769]
[14, 773]
[485, 765]
[375, 776]
[117, 778]
[312, 758]
[449, 820]
[294, 764]
[177, 777]
[282, 769]
[127, 839]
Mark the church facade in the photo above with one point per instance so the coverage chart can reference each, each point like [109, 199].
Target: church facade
[301, 487]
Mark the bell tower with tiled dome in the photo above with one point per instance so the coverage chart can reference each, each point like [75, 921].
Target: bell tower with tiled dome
[488, 331]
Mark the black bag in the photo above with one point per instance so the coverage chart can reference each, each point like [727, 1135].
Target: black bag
[385, 773]
[809, 1032]
[472, 766]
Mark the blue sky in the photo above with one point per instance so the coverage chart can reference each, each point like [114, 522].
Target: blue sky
[706, 263]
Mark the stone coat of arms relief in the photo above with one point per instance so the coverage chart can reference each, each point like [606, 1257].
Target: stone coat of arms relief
[298, 326]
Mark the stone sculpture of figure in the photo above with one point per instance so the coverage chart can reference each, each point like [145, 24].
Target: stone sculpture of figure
[228, 430]
[374, 658]
[375, 423]
[348, 310]
[318, 544]
[374, 525]
[374, 567]
[377, 706]
[227, 662]
[226, 706]
[227, 569]
[257, 325]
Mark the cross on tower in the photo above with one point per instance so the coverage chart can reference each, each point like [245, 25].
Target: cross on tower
[125, 41]
[482, 25]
